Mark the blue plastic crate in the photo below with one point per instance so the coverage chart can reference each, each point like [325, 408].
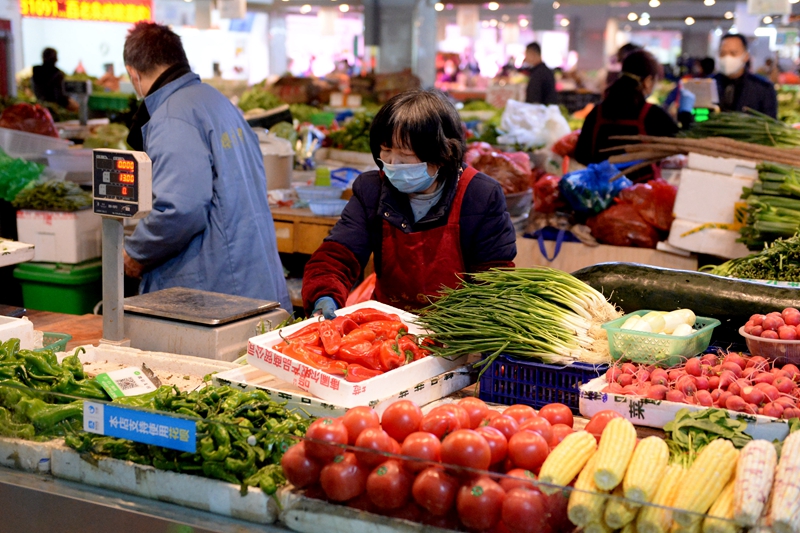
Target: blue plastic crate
[510, 380]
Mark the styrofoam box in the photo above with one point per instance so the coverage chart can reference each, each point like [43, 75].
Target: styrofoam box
[723, 165]
[17, 328]
[708, 197]
[336, 390]
[61, 237]
[14, 252]
[712, 241]
[657, 413]
[27, 455]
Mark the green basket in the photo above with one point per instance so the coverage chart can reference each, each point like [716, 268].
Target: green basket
[109, 102]
[55, 341]
[657, 348]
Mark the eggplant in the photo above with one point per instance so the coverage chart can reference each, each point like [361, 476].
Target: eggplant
[632, 287]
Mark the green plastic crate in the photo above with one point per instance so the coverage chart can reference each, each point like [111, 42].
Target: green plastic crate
[109, 102]
[72, 289]
[55, 341]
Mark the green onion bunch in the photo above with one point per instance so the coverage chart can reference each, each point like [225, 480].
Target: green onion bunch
[751, 126]
[773, 206]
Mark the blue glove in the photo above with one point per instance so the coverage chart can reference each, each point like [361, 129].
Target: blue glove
[688, 99]
[325, 306]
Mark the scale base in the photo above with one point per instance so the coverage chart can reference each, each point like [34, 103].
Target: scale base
[124, 342]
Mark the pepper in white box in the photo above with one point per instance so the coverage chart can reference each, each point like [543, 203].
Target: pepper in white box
[335, 389]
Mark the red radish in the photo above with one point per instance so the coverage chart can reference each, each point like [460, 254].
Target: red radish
[769, 390]
[686, 385]
[656, 392]
[753, 395]
[710, 359]
[736, 359]
[777, 371]
[749, 372]
[792, 370]
[707, 370]
[769, 334]
[612, 374]
[703, 397]
[748, 327]
[783, 384]
[643, 375]
[717, 369]
[772, 323]
[715, 394]
[757, 361]
[773, 409]
[757, 319]
[737, 386]
[632, 390]
[613, 388]
[733, 367]
[764, 377]
[775, 313]
[791, 316]
[757, 331]
[798, 329]
[726, 378]
[694, 367]
[625, 380]
[723, 398]
[713, 382]
[676, 396]
[785, 402]
[751, 408]
[659, 376]
[792, 412]
[787, 333]
[628, 368]
[736, 403]
[676, 374]
[701, 383]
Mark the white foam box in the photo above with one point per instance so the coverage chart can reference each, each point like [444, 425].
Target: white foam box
[27, 455]
[14, 252]
[723, 165]
[195, 492]
[657, 413]
[712, 241]
[709, 197]
[61, 237]
[335, 390]
[17, 328]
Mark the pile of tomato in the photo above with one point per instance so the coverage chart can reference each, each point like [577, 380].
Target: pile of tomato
[462, 464]
[358, 346]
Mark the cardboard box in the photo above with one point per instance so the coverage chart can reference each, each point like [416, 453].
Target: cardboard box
[61, 237]
[709, 197]
[712, 241]
[723, 165]
[336, 390]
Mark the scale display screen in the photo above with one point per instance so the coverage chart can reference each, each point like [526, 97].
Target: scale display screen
[119, 189]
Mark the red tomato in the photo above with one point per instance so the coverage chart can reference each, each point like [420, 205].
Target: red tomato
[362, 503]
[448, 521]
[517, 477]
[435, 490]
[300, 470]
[525, 511]
[520, 412]
[343, 479]
[329, 430]
[557, 413]
[440, 424]
[460, 413]
[466, 447]
[480, 503]
[559, 432]
[476, 408]
[389, 486]
[491, 414]
[401, 419]
[410, 511]
[598, 422]
[506, 424]
[374, 439]
[358, 419]
[497, 442]
[422, 445]
[528, 450]
[539, 425]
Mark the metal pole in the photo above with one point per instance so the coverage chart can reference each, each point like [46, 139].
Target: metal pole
[113, 282]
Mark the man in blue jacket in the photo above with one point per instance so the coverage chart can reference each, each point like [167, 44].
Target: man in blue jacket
[210, 227]
[739, 89]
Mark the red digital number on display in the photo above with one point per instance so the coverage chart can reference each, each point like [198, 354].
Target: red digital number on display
[124, 191]
[124, 165]
[126, 178]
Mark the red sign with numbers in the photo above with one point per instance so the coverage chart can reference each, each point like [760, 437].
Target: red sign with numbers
[109, 11]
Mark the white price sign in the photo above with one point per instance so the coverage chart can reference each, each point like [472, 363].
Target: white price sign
[768, 7]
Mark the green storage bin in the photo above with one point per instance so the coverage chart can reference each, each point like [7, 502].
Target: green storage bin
[73, 289]
[109, 102]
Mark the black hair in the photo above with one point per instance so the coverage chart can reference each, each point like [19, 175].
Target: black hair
[739, 36]
[707, 65]
[642, 63]
[625, 50]
[534, 47]
[424, 122]
[627, 91]
[49, 55]
[150, 46]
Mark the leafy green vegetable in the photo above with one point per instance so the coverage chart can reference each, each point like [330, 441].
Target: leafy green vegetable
[257, 97]
[478, 105]
[690, 432]
[354, 136]
[53, 196]
[284, 130]
[779, 261]
[303, 112]
[751, 126]
[108, 136]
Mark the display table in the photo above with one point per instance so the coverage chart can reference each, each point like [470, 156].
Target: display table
[299, 230]
[85, 329]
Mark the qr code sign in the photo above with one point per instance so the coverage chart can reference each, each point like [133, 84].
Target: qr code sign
[126, 383]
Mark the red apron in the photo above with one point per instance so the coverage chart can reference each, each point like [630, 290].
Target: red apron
[601, 121]
[416, 265]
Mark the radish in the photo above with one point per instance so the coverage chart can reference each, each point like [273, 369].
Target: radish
[710, 359]
[772, 323]
[791, 316]
[757, 319]
[657, 392]
[704, 398]
[686, 385]
[750, 372]
[757, 331]
[764, 377]
[643, 375]
[628, 368]
[792, 371]
[769, 390]
[757, 362]
[787, 333]
[748, 327]
[723, 398]
[751, 408]
[632, 390]
[713, 382]
[612, 374]
[694, 367]
[625, 380]
[676, 396]
[676, 374]
[659, 376]
[773, 409]
[783, 384]
[736, 403]
[769, 334]
[736, 359]
[753, 395]
[701, 383]
[717, 369]
[613, 388]
[726, 378]
[737, 386]
[733, 367]
[715, 394]
[792, 412]
[785, 402]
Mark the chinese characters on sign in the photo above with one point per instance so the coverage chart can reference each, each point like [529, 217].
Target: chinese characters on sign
[119, 11]
[140, 426]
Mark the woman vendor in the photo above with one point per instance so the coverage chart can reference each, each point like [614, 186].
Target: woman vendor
[425, 216]
[625, 111]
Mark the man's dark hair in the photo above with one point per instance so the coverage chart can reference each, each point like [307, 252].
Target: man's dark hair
[49, 55]
[707, 65]
[424, 122]
[625, 50]
[534, 47]
[741, 38]
[150, 46]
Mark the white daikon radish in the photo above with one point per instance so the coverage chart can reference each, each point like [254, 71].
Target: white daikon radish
[687, 316]
[642, 325]
[672, 320]
[683, 330]
[631, 322]
[656, 321]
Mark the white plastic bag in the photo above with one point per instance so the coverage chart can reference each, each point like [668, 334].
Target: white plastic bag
[532, 125]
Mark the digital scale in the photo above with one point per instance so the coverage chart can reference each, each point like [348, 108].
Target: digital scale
[176, 320]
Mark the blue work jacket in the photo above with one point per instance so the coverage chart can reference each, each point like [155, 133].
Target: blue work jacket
[210, 227]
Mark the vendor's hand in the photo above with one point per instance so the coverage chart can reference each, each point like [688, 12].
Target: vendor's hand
[687, 101]
[133, 268]
[325, 306]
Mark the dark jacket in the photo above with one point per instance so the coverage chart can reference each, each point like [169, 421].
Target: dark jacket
[749, 91]
[541, 85]
[48, 84]
[488, 238]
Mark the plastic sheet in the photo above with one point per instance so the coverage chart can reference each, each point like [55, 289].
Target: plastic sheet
[532, 125]
[591, 190]
[621, 225]
[653, 201]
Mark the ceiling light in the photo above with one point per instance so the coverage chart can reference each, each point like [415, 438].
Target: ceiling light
[344, 8]
[485, 24]
[728, 15]
[632, 16]
[645, 15]
[504, 18]
[709, 2]
[305, 9]
[493, 6]
[644, 21]
[767, 20]
[439, 6]
[689, 21]
[564, 22]
[493, 23]
[556, 5]
[654, 3]
[793, 1]
[523, 23]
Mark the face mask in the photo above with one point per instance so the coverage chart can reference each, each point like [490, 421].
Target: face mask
[729, 65]
[409, 178]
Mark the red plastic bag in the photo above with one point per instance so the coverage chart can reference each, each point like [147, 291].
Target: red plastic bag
[363, 292]
[653, 201]
[621, 225]
[500, 166]
[32, 118]
[565, 146]
[546, 194]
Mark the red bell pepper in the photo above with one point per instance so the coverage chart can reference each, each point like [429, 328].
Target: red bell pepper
[356, 373]
[309, 339]
[386, 329]
[359, 335]
[363, 353]
[344, 324]
[409, 348]
[331, 339]
[367, 314]
[311, 328]
[320, 362]
[390, 356]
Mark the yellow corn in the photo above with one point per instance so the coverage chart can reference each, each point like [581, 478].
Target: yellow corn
[785, 509]
[646, 469]
[706, 478]
[585, 505]
[614, 453]
[694, 528]
[620, 513]
[720, 516]
[653, 519]
[629, 528]
[754, 475]
[567, 460]
[597, 527]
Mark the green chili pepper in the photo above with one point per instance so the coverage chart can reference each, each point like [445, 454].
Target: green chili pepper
[10, 428]
[217, 470]
[74, 365]
[240, 466]
[44, 416]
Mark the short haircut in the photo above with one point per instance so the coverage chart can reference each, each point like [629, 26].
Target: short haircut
[626, 49]
[642, 63]
[707, 65]
[49, 55]
[424, 122]
[739, 36]
[534, 47]
[150, 46]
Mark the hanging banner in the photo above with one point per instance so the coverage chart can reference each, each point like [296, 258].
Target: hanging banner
[510, 33]
[768, 7]
[327, 20]
[467, 18]
[232, 9]
[108, 11]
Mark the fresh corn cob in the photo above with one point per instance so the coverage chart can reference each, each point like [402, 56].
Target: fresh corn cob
[785, 510]
[629, 528]
[754, 474]
[706, 478]
[694, 528]
[597, 527]
[647, 466]
[618, 512]
[720, 516]
[614, 453]
[567, 460]
[658, 519]
[584, 505]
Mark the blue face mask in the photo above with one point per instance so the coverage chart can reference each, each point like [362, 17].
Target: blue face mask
[409, 178]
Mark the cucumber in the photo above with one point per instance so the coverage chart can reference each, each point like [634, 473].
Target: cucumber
[632, 287]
